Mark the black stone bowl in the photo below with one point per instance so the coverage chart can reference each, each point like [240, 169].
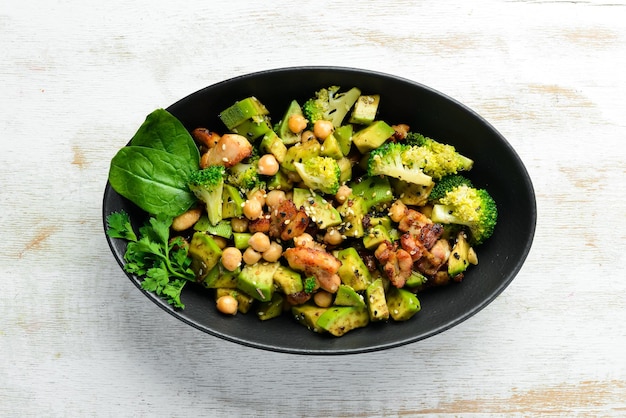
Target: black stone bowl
[497, 167]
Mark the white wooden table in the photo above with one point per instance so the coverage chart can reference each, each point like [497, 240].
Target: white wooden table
[78, 77]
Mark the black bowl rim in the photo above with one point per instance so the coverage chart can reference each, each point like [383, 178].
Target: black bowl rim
[374, 347]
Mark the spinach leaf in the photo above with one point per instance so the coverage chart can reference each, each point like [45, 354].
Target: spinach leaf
[153, 179]
[161, 130]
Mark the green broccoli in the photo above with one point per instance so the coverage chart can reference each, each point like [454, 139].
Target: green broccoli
[320, 173]
[244, 176]
[437, 159]
[310, 283]
[390, 160]
[469, 206]
[447, 183]
[329, 104]
[207, 185]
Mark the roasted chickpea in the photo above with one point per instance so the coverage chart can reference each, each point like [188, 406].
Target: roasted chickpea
[252, 209]
[259, 242]
[323, 299]
[227, 305]
[231, 258]
[273, 253]
[220, 241]
[275, 198]
[303, 240]
[239, 224]
[343, 193]
[322, 129]
[397, 211]
[297, 123]
[250, 256]
[333, 237]
[268, 165]
[307, 136]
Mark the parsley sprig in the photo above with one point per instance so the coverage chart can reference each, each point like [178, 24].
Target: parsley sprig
[162, 263]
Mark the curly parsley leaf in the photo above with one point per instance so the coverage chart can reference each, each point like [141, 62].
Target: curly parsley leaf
[118, 226]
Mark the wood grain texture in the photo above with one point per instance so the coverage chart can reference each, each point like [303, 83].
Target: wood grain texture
[78, 339]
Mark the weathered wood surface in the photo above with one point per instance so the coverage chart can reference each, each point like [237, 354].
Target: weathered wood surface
[77, 339]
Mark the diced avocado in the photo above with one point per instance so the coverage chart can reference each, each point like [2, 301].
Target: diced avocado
[321, 211]
[241, 111]
[458, 260]
[253, 128]
[376, 301]
[288, 280]
[221, 229]
[330, 148]
[232, 202]
[283, 130]
[411, 193]
[241, 240]
[272, 308]
[338, 320]
[375, 236]
[257, 280]
[353, 271]
[343, 134]
[204, 253]
[345, 167]
[300, 152]
[244, 301]
[272, 144]
[280, 181]
[365, 108]
[372, 136]
[415, 279]
[219, 277]
[347, 296]
[376, 192]
[383, 220]
[402, 304]
[352, 212]
[308, 314]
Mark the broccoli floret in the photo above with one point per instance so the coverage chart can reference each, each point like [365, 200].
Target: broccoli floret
[390, 159]
[207, 185]
[244, 176]
[320, 173]
[447, 183]
[329, 104]
[310, 283]
[469, 206]
[438, 160]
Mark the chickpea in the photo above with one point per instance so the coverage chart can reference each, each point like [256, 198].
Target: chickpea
[297, 123]
[323, 299]
[252, 209]
[250, 256]
[187, 219]
[268, 165]
[273, 253]
[220, 241]
[258, 195]
[275, 198]
[343, 193]
[231, 258]
[303, 240]
[259, 242]
[333, 237]
[322, 129]
[397, 211]
[239, 224]
[307, 136]
[227, 305]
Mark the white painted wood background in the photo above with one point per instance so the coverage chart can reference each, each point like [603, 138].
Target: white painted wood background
[78, 77]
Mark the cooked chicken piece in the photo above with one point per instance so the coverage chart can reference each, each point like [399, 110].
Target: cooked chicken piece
[228, 151]
[321, 264]
[287, 221]
[413, 221]
[397, 263]
[434, 259]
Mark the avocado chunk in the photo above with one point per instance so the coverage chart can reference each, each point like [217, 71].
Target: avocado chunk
[330, 148]
[365, 108]
[352, 212]
[375, 236]
[376, 301]
[458, 260]
[219, 277]
[288, 280]
[254, 127]
[372, 136]
[345, 167]
[232, 202]
[257, 280]
[241, 111]
[300, 152]
[376, 192]
[415, 279]
[321, 211]
[272, 308]
[244, 301]
[411, 193]
[402, 304]
[204, 253]
[280, 181]
[286, 135]
[353, 271]
[347, 296]
[338, 320]
[343, 134]
[241, 240]
[221, 229]
[308, 314]
[272, 144]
